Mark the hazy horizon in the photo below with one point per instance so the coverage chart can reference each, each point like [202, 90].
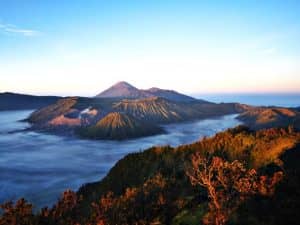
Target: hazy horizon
[82, 48]
[195, 94]
[215, 94]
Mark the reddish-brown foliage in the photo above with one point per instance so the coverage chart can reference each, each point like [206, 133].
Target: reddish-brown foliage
[228, 184]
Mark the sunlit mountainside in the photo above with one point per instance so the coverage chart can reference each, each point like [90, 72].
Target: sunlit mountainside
[87, 117]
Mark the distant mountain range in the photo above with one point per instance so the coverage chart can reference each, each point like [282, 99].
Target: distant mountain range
[121, 90]
[123, 111]
[125, 90]
[13, 101]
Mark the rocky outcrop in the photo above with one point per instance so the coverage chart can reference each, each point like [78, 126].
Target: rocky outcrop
[50, 112]
[65, 121]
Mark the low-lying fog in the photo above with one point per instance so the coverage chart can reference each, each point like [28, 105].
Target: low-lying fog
[41, 166]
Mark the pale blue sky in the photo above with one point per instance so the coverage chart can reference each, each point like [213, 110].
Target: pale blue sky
[82, 47]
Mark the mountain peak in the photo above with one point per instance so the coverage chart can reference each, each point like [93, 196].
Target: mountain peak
[123, 84]
[122, 89]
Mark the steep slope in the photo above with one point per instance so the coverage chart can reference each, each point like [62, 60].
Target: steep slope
[156, 110]
[160, 110]
[13, 101]
[118, 126]
[258, 150]
[266, 117]
[59, 108]
[122, 90]
[283, 207]
[153, 186]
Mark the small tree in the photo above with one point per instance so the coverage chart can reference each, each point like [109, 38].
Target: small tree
[101, 209]
[228, 184]
[65, 210]
[18, 214]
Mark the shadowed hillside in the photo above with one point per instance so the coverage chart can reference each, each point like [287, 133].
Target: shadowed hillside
[13, 101]
[253, 175]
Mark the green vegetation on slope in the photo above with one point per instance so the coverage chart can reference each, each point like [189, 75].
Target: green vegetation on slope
[152, 187]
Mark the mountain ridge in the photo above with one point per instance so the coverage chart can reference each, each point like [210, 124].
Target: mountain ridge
[266, 117]
[134, 107]
[17, 101]
[123, 89]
